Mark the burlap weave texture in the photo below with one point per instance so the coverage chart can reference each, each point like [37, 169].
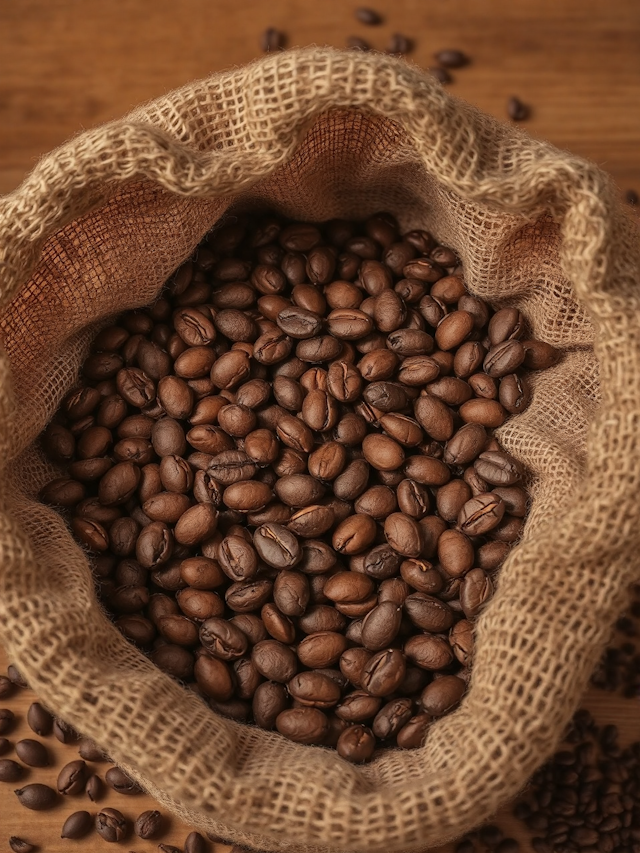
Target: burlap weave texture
[317, 133]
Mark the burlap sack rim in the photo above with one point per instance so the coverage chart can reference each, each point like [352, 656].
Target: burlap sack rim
[182, 179]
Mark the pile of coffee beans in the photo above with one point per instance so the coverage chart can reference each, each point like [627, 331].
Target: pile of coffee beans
[619, 669]
[285, 473]
[587, 798]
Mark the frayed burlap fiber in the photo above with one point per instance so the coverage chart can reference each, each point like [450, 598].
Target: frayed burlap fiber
[99, 225]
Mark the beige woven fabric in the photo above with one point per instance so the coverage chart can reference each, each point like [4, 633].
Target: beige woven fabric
[317, 133]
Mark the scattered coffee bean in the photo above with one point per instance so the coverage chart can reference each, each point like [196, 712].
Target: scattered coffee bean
[451, 58]
[7, 720]
[39, 719]
[516, 110]
[6, 686]
[148, 824]
[64, 732]
[111, 825]
[77, 825]
[399, 44]
[37, 797]
[19, 845]
[72, 778]
[368, 16]
[120, 782]
[631, 197]
[272, 39]
[195, 843]
[10, 771]
[93, 788]
[32, 753]
[15, 677]
[5, 745]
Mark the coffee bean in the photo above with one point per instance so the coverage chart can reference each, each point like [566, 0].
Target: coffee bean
[443, 695]
[93, 788]
[77, 825]
[321, 649]
[148, 824]
[303, 725]
[37, 797]
[72, 778]
[451, 58]
[384, 672]
[32, 753]
[19, 845]
[195, 843]
[498, 468]
[7, 720]
[368, 16]
[516, 110]
[428, 652]
[10, 771]
[111, 825]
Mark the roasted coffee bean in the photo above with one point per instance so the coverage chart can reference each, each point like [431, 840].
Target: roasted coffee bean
[72, 778]
[452, 58]
[428, 652]
[356, 744]
[481, 514]
[148, 824]
[368, 16]
[269, 700]
[10, 771]
[32, 753]
[516, 110]
[19, 845]
[498, 468]
[77, 825]
[277, 546]
[195, 843]
[314, 689]
[380, 626]
[321, 649]
[7, 720]
[111, 825]
[461, 640]
[274, 660]
[5, 745]
[384, 672]
[476, 590]
[442, 695]
[428, 612]
[37, 797]
[303, 725]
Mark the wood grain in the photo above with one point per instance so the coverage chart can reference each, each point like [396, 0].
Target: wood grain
[70, 65]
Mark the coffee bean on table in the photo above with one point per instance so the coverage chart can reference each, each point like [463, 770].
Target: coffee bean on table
[285, 474]
[517, 110]
[10, 771]
[368, 16]
[72, 778]
[39, 719]
[5, 745]
[93, 788]
[111, 825]
[6, 686]
[195, 843]
[19, 845]
[7, 719]
[451, 58]
[77, 825]
[148, 824]
[36, 796]
[32, 752]
[15, 676]
[120, 782]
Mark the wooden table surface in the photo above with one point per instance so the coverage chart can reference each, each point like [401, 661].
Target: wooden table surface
[69, 65]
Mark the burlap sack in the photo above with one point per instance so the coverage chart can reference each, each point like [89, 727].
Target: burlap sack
[101, 223]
